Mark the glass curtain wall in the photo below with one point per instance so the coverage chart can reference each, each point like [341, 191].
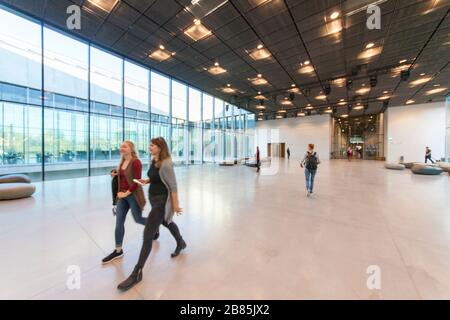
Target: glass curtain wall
[66, 105]
[160, 106]
[137, 109]
[179, 123]
[219, 130]
[20, 96]
[208, 128]
[195, 126]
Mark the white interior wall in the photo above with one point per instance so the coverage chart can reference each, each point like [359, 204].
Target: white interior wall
[297, 133]
[411, 128]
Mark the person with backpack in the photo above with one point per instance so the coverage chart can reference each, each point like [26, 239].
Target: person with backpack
[310, 162]
[428, 155]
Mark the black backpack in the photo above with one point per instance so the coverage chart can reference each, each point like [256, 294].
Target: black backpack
[311, 161]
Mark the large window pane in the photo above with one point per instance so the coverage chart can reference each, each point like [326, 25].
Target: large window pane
[107, 110]
[179, 117]
[136, 87]
[208, 131]
[20, 82]
[219, 129]
[195, 126]
[65, 124]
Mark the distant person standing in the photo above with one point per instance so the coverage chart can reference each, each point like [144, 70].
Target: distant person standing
[428, 155]
[258, 160]
[349, 153]
[288, 153]
[310, 162]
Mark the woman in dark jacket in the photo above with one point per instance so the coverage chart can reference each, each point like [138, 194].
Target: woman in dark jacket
[163, 198]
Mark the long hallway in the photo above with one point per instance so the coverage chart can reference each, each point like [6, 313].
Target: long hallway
[249, 237]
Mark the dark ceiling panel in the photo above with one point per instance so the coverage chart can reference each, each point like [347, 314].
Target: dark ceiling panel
[294, 31]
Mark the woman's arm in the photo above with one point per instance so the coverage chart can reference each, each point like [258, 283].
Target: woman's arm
[167, 174]
[136, 168]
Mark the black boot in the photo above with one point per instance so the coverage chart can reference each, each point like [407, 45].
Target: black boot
[156, 235]
[134, 278]
[180, 246]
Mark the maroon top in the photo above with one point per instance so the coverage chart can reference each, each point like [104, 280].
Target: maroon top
[257, 154]
[136, 168]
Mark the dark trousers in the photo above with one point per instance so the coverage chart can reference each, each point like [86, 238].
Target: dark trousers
[114, 189]
[154, 220]
[428, 158]
[258, 165]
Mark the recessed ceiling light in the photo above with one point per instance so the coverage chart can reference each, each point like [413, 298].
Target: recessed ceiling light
[334, 15]
[259, 53]
[434, 91]
[309, 107]
[259, 92]
[228, 85]
[436, 85]
[385, 91]
[260, 107]
[369, 53]
[260, 119]
[339, 82]
[328, 110]
[216, 69]
[260, 97]
[259, 75]
[410, 101]
[422, 74]
[279, 116]
[344, 116]
[293, 85]
[286, 102]
[419, 81]
[228, 90]
[306, 62]
[282, 111]
[258, 81]
[359, 107]
[160, 54]
[362, 91]
[105, 5]
[306, 69]
[321, 97]
[370, 45]
[384, 97]
[197, 31]
[402, 61]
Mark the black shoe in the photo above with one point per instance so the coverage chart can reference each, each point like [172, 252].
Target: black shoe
[134, 278]
[113, 256]
[156, 235]
[178, 249]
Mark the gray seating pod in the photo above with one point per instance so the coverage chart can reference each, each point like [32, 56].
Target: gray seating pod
[426, 170]
[11, 191]
[394, 166]
[13, 178]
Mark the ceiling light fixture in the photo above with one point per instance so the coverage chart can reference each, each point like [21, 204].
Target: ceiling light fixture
[410, 101]
[434, 91]
[334, 15]
[161, 54]
[419, 81]
[259, 53]
[105, 5]
[197, 31]
[370, 45]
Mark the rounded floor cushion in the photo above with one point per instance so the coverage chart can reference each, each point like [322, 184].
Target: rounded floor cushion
[12, 178]
[445, 166]
[408, 165]
[394, 166]
[427, 170]
[11, 191]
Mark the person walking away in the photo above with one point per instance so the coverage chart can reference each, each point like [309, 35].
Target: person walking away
[258, 160]
[310, 162]
[349, 153]
[163, 198]
[288, 153]
[428, 155]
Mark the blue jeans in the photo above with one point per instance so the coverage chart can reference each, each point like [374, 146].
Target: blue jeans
[309, 176]
[123, 206]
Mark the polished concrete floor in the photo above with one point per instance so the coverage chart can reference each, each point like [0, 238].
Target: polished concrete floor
[249, 237]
